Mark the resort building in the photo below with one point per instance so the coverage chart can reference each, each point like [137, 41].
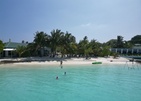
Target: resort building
[136, 50]
[45, 51]
[10, 48]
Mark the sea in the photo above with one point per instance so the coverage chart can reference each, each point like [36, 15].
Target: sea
[99, 82]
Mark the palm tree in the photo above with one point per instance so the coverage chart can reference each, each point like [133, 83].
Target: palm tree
[84, 47]
[127, 44]
[31, 47]
[20, 50]
[40, 42]
[112, 43]
[105, 51]
[67, 43]
[136, 39]
[73, 48]
[55, 40]
[96, 47]
[119, 42]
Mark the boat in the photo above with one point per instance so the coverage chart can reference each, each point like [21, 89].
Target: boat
[97, 63]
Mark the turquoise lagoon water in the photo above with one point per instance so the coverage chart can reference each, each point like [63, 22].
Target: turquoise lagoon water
[81, 83]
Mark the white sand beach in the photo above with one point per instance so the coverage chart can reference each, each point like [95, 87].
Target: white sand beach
[69, 61]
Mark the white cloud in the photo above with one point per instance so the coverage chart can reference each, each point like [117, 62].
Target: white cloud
[86, 25]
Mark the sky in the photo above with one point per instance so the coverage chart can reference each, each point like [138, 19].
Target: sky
[101, 20]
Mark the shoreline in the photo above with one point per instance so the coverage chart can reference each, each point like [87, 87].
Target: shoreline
[66, 61]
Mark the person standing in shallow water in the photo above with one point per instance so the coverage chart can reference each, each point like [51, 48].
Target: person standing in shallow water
[61, 62]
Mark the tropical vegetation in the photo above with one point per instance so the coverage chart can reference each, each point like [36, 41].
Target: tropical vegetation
[1, 47]
[64, 43]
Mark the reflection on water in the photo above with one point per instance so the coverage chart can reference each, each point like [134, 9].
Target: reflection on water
[80, 83]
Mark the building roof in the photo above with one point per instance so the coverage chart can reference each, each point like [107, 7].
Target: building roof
[9, 49]
[14, 44]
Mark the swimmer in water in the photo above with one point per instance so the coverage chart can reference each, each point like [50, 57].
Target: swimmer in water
[64, 73]
[56, 77]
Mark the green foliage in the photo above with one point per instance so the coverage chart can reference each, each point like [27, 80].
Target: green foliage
[56, 39]
[68, 43]
[1, 46]
[65, 43]
[26, 54]
[83, 46]
[119, 42]
[115, 55]
[105, 51]
[20, 50]
[136, 39]
[41, 40]
[31, 48]
[96, 47]
[127, 44]
[111, 43]
[62, 42]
